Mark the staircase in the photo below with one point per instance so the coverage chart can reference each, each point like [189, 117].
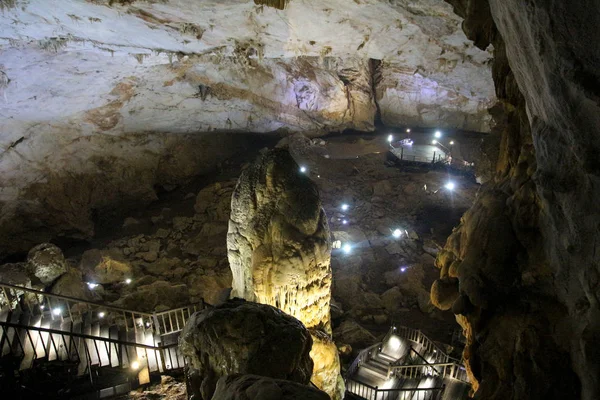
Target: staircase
[87, 339]
[406, 365]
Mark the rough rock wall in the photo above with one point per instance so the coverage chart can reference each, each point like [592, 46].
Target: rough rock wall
[60, 182]
[279, 251]
[417, 97]
[521, 271]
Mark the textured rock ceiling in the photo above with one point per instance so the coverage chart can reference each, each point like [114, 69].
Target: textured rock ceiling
[65, 57]
[92, 88]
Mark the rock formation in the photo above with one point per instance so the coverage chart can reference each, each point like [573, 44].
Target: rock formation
[525, 255]
[279, 250]
[243, 337]
[252, 387]
[103, 102]
[46, 262]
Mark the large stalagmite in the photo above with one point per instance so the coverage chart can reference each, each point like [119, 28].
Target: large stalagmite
[279, 252]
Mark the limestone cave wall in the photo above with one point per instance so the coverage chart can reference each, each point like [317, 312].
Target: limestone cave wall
[521, 271]
[104, 98]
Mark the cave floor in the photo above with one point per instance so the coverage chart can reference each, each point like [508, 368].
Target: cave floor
[177, 251]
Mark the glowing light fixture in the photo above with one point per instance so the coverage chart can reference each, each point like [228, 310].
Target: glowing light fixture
[408, 130]
[434, 141]
[57, 311]
[451, 142]
[347, 248]
[101, 314]
[397, 233]
[128, 281]
[394, 342]
[390, 138]
[303, 169]
[42, 307]
[450, 186]
[135, 365]
[438, 134]
[92, 285]
[345, 207]
[345, 222]
[403, 269]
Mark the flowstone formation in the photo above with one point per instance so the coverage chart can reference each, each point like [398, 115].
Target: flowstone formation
[279, 252]
[521, 271]
[247, 338]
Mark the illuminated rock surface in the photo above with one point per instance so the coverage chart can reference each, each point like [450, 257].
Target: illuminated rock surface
[244, 337]
[279, 252]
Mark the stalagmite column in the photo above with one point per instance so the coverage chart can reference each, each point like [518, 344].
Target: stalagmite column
[279, 252]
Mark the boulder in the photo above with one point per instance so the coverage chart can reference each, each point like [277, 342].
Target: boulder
[392, 299]
[350, 332]
[104, 266]
[253, 387]
[14, 274]
[244, 337]
[382, 188]
[47, 262]
[158, 295]
[71, 284]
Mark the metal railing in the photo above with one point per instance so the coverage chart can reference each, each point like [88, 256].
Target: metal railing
[172, 321]
[59, 307]
[425, 345]
[442, 370]
[30, 343]
[369, 392]
[437, 157]
[434, 363]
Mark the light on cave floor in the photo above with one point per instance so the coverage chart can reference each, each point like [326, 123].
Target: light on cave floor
[388, 384]
[347, 248]
[128, 281]
[403, 269]
[57, 311]
[397, 233]
[92, 285]
[390, 138]
[303, 169]
[345, 207]
[345, 222]
[434, 141]
[438, 134]
[135, 365]
[450, 186]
